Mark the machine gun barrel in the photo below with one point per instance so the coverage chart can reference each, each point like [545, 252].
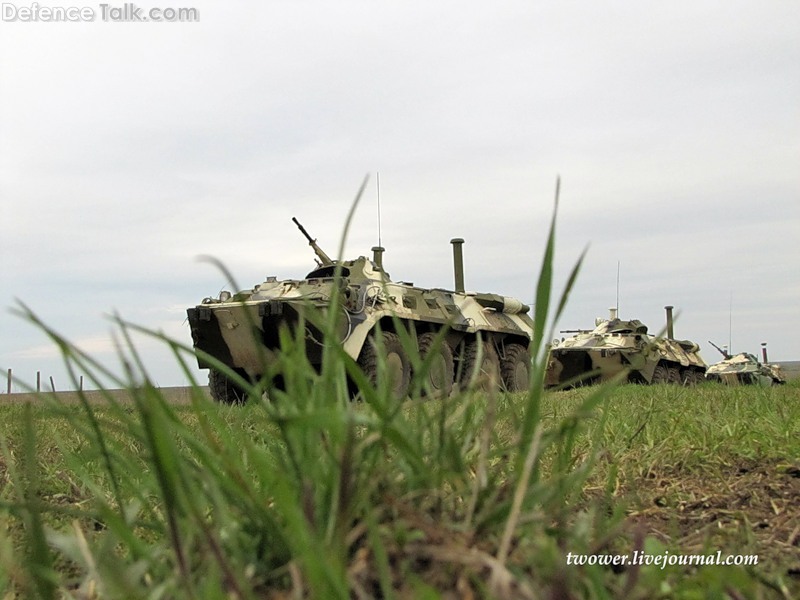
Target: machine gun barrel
[326, 260]
[576, 331]
[720, 350]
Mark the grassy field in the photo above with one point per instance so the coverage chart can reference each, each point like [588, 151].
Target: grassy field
[149, 500]
[309, 494]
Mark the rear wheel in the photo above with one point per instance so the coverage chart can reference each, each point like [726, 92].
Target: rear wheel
[692, 377]
[224, 390]
[438, 381]
[515, 368]
[397, 365]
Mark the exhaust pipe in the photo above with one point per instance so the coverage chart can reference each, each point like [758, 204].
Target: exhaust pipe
[764, 352]
[458, 263]
[377, 256]
[670, 323]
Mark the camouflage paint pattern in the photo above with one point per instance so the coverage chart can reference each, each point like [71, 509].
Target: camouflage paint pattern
[617, 345]
[745, 369]
[242, 330]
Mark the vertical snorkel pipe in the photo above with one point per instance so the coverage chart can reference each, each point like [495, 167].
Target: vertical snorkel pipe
[670, 323]
[458, 263]
[377, 256]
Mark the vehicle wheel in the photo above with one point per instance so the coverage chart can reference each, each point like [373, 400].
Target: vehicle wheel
[438, 381]
[224, 390]
[673, 376]
[488, 376]
[660, 375]
[515, 368]
[398, 367]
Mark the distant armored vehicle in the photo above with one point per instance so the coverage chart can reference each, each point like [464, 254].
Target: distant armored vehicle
[744, 369]
[242, 330]
[616, 345]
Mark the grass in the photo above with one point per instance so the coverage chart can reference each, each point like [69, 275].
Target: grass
[689, 470]
[310, 495]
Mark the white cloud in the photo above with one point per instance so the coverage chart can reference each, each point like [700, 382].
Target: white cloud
[126, 150]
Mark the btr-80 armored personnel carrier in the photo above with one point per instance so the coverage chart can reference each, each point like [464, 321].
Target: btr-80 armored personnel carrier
[242, 330]
[744, 369]
[615, 345]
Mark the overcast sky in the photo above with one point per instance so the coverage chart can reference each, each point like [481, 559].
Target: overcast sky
[127, 150]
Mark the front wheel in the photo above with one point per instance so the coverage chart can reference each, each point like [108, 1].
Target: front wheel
[660, 375]
[223, 390]
[397, 365]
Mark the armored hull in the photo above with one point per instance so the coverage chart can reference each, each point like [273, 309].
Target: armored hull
[242, 330]
[744, 369]
[615, 346]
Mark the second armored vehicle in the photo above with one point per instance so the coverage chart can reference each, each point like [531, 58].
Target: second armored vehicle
[744, 369]
[242, 330]
[616, 345]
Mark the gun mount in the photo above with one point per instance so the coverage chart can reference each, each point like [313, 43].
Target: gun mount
[724, 353]
[324, 259]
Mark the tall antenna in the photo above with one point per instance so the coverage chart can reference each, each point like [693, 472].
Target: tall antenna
[378, 179]
[730, 323]
[617, 287]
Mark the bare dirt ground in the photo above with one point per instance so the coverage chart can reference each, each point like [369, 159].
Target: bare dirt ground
[698, 512]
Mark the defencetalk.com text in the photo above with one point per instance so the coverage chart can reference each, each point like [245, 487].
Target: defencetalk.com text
[127, 12]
